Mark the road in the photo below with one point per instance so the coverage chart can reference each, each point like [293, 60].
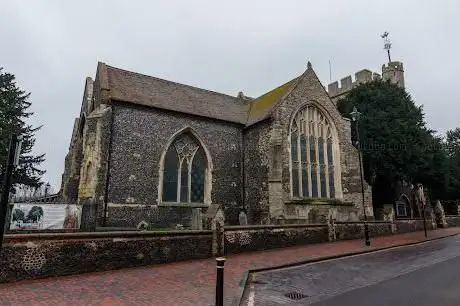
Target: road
[424, 274]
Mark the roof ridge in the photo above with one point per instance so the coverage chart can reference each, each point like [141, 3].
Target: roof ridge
[168, 81]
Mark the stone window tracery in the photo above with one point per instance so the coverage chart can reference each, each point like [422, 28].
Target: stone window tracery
[313, 159]
[184, 171]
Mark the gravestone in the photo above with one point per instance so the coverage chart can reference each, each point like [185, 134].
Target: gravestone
[389, 216]
[214, 220]
[197, 219]
[243, 218]
[440, 215]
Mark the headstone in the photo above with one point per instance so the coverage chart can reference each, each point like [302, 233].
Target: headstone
[243, 218]
[389, 216]
[215, 220]
[431, 216]
[419, 198]
[440, 215]
[179, 227]
[197, 219]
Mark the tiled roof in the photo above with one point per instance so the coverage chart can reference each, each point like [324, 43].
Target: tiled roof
[261, 107]
[145, 90]
[150, 91]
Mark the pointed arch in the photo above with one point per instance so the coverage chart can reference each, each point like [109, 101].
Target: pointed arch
[185, 171]
[403, 206]
[314, 155]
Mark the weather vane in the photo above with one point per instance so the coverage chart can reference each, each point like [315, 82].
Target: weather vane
[387, 44]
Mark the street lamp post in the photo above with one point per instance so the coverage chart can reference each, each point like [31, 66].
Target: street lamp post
[355, 117]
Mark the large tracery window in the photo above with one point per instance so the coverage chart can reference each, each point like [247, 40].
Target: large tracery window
[184, 171]
[313, 161]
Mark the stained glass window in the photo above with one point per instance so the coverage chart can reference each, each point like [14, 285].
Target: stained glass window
[171, 165]
[198, 171]
[187, 158]
[295, 182]
[303, 148]
[294, 146]
[322, 178]
[321, 151]
[312, 149]
[184, 182]
[295, 164]
[305, 184]
[330, 159]
[331, 182]
[314, 182]
[312, 141]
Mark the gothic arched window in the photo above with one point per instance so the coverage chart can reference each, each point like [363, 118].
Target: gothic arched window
[184, 171]
[313, 161]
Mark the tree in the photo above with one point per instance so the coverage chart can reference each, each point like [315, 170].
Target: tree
[14, 105]
[453, 153]
[396, 143]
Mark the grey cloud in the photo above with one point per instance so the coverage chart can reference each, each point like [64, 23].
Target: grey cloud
[51, 46]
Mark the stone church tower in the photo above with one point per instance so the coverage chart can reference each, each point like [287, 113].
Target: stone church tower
[394, 72]
[144, 149]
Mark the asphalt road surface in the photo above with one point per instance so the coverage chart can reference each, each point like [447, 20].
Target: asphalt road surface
[424, 274]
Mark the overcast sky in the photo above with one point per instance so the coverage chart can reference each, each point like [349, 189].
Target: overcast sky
[225, 46]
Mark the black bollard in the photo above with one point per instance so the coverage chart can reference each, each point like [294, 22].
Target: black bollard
[220, 261]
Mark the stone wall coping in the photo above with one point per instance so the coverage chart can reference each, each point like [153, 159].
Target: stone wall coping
[361, 222]
[104, 235]
[270, 226]
[320, 203]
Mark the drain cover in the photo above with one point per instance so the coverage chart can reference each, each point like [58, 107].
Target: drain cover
[295, 295]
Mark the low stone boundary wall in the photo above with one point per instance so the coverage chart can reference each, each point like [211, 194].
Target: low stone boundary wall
[411, 225]
[453, 221]
[239, 239]
[43, 255]
[27, 256]
[355, 230]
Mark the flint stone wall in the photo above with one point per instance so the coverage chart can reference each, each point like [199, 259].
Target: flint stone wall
[29, 256]
[44, 255]
[410, 225]
[137, 145]
[453, 221]
[355, 230]
[154, 215]
[256, 238]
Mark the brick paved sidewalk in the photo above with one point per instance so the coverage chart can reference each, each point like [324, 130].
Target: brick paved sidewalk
[182, 283]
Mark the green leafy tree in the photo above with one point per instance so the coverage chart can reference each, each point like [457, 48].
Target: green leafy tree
[395, 141]
[14, 105]
[453, 153]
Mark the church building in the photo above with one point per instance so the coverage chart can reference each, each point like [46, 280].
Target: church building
[152, 150]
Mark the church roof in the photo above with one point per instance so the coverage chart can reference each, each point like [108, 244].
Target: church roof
[261, 107]
[150, 91]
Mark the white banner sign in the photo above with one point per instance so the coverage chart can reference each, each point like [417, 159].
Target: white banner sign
[39, 216]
